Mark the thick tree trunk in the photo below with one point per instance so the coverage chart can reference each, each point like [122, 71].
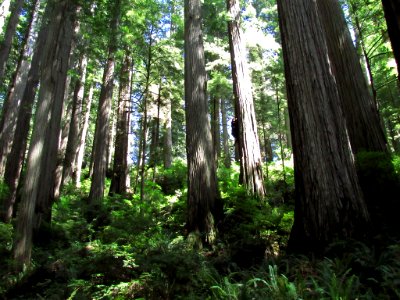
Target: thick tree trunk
[103, 115]
[249, 146]
[16, 90]
[392, 16]
[120, 168]
[42, 158]
[10, 31]
[329, 202]
[202, 186]
[82, 139]
[16, 157]
[225, 135]
[73, 135]
[362, 116]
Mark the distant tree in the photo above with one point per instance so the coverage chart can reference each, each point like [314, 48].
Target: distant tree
[225, 135]
[120, 168]
[83, 132]
[167, 149]
[74, 122]
[202, 185]
[251, 175]
[329, 202]
[103, 114]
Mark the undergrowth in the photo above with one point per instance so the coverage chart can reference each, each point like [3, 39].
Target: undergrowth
[136, 249]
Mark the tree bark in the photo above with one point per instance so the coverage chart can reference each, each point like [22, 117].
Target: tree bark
[225, 135]
[16, 90]
[38, 186]
[73, 135]
[103, 116]
[202, 186]
[361, 112]
[16, 157]
[391, 9]
[168, 137]
[249, 146]
[82, 139]
[9, 34]
[329, 202]
[120, 168]
[215, 127]
[155, 135]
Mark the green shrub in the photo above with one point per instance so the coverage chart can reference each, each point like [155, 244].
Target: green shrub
[173, 178]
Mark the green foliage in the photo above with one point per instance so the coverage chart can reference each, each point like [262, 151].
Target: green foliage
[396, 164]
[6, 238]
[381, 186]
[4, 190]
[174, 178]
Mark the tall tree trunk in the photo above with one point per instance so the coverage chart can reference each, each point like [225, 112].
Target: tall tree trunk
[155, 134]
[329, 202]
[17, 154]
[110, 139]
[11, 29]
[365, 55]
[63, 139]
[17, 87]
[287, 130]
[392, 16]
[73, 135]
[120, 168]
[82, 138]
[145, 124]
[215, 128]
[144, 141]
[249, 146]
[202, 186]
[168, 137]
[103, 115]
[362, 116]
[280, 138]
[139, 156]
[225, 135]
[39, 181]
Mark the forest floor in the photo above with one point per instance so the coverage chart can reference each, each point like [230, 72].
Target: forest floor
[138, 250]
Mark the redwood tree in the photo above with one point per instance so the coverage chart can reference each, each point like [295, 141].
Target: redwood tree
[251, 175]
[361, 112]
[392, 16]
[120, 168]
[202, 186]
[36, 199]
[103, 114]
[329, 202]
